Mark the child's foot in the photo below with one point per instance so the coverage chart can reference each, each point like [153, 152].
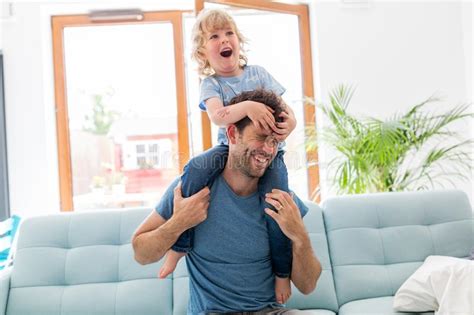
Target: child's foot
[171, 260]
[282, 289]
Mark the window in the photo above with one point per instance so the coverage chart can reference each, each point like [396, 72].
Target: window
[289, 36]
[131, 127]
[122, 116]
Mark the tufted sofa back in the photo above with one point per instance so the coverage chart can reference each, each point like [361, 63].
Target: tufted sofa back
[83, 263]
[377, 241]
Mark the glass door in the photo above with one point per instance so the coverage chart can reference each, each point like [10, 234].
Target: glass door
[125, 112]
[278, 40]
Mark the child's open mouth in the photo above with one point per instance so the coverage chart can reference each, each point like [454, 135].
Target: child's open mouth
[226, 53]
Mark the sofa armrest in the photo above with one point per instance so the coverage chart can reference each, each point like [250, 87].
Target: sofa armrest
[5, 275]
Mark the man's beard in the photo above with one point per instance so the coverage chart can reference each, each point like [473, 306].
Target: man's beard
[242, 162]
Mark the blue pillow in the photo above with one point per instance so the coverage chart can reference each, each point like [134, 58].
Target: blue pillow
[8, 229]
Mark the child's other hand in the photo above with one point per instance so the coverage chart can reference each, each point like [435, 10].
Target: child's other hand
[285, 127]
[261, 116]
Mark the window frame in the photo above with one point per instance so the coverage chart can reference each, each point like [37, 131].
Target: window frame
[58, 24]
[302, 12]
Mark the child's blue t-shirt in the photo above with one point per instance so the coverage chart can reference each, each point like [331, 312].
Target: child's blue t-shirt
[230, 267]
[225, 88]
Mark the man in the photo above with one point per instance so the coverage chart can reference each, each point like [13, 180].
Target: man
[230, 267]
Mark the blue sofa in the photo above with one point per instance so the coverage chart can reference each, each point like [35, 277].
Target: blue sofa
[82, 263]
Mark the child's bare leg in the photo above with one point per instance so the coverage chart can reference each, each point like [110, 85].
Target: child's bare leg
[282, 289]
[171, 260]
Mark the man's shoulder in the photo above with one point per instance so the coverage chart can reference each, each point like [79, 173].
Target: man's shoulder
[165, 206]
[301, 205]
[173, 184]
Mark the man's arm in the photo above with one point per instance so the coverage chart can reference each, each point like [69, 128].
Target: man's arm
[306, 268]
[153, 238]
[156, 235]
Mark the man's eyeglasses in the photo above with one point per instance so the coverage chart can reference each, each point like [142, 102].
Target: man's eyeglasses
[270, 141]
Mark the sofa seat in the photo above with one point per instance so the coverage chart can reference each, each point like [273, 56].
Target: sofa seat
[317, 312]
[376, 306]
[93, 298]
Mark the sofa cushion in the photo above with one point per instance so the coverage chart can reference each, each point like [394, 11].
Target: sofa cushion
[180, 288]
[83, 263]
[324, 297]
[377, 241]
[144, 297]
[375, 306]
[316, 312]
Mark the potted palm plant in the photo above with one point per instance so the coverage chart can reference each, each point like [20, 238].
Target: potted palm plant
[409, 151]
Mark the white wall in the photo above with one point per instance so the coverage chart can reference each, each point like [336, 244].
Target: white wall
[29, 147]
[397, 53]
[2, 17]
[468, 11]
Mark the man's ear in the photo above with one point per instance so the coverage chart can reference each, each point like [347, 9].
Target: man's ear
[232, 133]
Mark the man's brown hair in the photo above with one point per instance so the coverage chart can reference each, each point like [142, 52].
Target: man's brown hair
[266, 97]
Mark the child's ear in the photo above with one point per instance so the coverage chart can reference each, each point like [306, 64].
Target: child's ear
[232, 133]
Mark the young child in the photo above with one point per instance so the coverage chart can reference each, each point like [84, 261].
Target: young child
[218, 50]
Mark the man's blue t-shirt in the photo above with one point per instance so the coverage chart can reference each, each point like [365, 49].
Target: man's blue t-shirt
[229, 267]
[225, 88]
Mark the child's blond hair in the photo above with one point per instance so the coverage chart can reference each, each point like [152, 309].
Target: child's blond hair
[206, 22]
